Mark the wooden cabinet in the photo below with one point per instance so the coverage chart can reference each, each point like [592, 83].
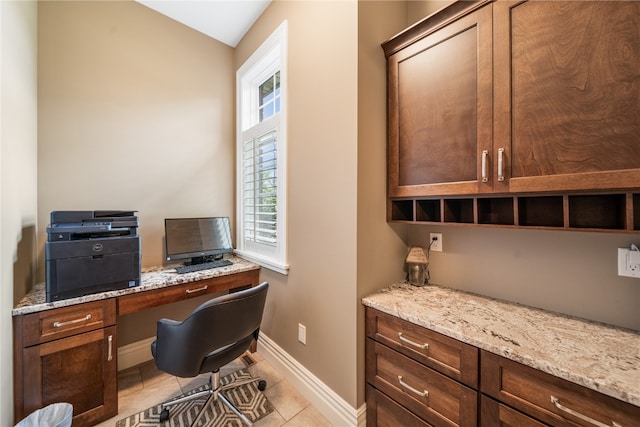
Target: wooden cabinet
[440, 108]
[68, 355]
[413, 372]
[516, 113]
[567, 94]
[547, 398]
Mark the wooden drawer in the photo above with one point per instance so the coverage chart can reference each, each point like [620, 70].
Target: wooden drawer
[446, 355]
[531, 391]
[494, 414]
[435, 398]
[383, 412]
[64, 322]
[152, 298]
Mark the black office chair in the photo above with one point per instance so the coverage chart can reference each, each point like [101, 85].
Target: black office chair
[216, 333]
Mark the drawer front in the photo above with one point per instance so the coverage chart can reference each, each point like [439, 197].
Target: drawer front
[495, 414]
[435, 398]
[551, 399]
[446, 355]
[138, 301]
[384, 412]
[64, 322]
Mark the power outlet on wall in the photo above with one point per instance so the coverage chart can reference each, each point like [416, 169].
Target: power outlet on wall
[435, 242]
[302, 333]
[628, 263]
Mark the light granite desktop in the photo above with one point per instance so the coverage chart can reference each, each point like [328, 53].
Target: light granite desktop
[597, 356]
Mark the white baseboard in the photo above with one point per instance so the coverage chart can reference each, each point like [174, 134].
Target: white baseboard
[332, 406]
[135, 353]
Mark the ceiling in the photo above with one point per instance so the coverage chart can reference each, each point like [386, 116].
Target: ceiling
[224, 20]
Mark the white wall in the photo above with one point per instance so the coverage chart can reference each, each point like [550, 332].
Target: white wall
[18, 166]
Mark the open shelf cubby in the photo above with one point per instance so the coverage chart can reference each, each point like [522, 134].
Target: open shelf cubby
[541, 211]
[458, 211]
[496, 210]
[636, 211]
[402, 210]
[603, 211]
[428, 210]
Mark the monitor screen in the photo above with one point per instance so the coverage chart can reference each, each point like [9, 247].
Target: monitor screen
[197, 238]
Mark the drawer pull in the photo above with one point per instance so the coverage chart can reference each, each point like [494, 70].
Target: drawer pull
[109, 348]
[424, 393]
[424, 346]
[191, 291]
[71, 322]
[576, 414]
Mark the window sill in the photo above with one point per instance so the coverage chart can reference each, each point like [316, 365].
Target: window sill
[268, 263]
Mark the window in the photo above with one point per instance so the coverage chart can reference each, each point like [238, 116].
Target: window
[261, 154]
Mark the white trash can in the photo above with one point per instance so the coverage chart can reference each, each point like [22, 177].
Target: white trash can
[54, 415]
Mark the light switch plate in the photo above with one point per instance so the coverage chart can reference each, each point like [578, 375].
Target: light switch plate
[628, 263]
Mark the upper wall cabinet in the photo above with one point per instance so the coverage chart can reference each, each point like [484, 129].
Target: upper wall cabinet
[515, 97]
[567, 95]
[440, 107]
[518, 114]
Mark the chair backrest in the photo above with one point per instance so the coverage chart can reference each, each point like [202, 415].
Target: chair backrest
[227, 323]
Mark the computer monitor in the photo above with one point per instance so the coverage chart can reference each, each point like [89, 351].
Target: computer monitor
[199, 239]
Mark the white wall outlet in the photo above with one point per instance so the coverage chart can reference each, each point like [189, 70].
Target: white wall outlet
[302, 333]
[435, 240]
[628, 263]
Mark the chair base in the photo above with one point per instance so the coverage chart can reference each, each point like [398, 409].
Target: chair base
[214, 393]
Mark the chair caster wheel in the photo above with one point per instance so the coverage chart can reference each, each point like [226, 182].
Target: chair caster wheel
[262, 384]
[164, 415]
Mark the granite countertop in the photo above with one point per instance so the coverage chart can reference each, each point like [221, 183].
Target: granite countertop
[151, 278]
[597, 356]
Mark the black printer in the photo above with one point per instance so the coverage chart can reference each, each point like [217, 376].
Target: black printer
[91, 251]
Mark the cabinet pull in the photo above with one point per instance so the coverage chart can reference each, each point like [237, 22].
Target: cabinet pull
[485, 153]
[423, 393]
[110, 348]
[204, 288]
[576, 414]
[424, 346]
[500, 164]
[71, 322]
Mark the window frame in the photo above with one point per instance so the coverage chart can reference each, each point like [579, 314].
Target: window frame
[269, 58]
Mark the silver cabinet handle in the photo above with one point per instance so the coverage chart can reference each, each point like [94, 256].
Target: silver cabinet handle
[110, 348]
[190, 291]
[576, 414]
[485, 154]
[500, 164]
[423, 393]
[424, 346]
[71, 322]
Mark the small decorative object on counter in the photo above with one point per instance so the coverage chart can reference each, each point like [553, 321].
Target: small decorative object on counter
[416, 266]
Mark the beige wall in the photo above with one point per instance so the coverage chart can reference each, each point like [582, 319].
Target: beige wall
[18, 172]
[135, 112]
[320, 289]
[381, 248]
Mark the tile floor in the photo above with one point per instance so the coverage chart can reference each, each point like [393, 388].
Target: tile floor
[143, 386]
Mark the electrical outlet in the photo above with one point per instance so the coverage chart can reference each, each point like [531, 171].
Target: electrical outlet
[302, 333]
[628, 263]
[435, 240]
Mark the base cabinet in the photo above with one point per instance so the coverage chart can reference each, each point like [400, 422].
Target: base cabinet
[419, 377]
[67, 355]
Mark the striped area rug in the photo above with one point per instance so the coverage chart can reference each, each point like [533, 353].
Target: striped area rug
[247, 398]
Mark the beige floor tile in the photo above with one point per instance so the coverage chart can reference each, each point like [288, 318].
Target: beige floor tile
[265, 371]
[129, 381]
[286, 399]
[274, 419]
[309, 416]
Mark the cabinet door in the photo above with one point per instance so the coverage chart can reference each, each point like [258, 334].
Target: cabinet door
[440, 110]
[80, 370]
[567, 95]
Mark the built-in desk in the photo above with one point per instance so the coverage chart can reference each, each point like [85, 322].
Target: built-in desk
[66, 351]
